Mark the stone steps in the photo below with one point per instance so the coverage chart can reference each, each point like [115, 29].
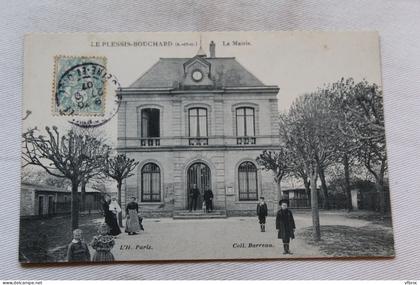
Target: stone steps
[199, 214]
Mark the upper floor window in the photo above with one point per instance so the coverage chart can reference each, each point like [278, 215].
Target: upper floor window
[149, 126]
[150, 123]
[245, 125]
[197, 122]
[245, 122]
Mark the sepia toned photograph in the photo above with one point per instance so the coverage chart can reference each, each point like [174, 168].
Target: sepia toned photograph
[203, 146]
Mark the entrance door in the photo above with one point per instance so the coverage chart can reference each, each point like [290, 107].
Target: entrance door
[41, 205]
[198, 174]
[50, 205]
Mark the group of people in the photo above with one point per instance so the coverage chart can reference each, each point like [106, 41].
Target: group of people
[112, 210]
[103, 243]
[285, 223]
[78, 250]
[207, 196]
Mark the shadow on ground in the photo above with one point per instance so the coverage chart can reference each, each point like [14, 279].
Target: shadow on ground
[339, 241]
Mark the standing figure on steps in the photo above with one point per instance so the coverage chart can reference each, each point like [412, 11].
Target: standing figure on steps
[208, 198]
[285, 224]
[194, 193]
[262, 213]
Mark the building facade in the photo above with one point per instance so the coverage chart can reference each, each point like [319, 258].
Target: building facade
[200, 120]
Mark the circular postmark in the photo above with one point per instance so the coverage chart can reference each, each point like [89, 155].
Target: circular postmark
[81, 91]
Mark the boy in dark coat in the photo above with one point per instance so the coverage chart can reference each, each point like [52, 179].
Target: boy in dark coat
[78, 250]
[285, 224]
[262, 213]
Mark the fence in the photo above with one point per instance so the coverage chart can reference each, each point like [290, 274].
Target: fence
[366, 201]
[63, 208]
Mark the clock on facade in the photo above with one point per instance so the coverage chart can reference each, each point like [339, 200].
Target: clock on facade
[197, 75]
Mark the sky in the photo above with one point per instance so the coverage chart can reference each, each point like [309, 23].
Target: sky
[297, 62]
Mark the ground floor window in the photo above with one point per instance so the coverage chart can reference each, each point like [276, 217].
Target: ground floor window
[248, 181]
[150, 183]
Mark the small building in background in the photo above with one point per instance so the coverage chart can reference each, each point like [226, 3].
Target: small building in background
[43, 200]
[298, 198]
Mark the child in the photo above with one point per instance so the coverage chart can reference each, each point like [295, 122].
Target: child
[203, 207]
[285, 224]
[103, 243]
[78, 250]
[262, 213]
[114, 207]
[141, 222]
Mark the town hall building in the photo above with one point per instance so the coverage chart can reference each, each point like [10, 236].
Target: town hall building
[201, 120]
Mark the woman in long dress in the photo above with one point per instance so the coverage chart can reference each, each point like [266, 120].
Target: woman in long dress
[132, 222]
[115, 209]
[110, 216]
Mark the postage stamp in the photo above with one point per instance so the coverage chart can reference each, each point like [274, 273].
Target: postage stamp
[79, 86]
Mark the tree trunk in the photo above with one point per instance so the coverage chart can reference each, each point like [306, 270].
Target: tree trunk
[119, 183]
[279, 193]
[381, 192]
[74, 205]
[325, 200]
[307, 188]
[347, 182]
[316, 228]
[83, 196]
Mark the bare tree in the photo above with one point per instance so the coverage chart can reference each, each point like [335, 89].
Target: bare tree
[360, 116]
[119, 168]
[346, 145]
[36, 175]
[68, 156]
[94, 175]
[277, 162]
[301, 131]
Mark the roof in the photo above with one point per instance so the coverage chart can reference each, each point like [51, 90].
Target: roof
[225, 71]
[48, 188]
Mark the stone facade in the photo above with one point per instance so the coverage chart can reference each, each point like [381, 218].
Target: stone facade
[221, 149]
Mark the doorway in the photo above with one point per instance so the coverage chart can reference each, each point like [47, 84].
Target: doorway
[198, 174]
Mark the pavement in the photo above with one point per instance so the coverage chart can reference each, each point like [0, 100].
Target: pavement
[231, 238]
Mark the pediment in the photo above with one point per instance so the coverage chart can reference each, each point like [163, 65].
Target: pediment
[197, 72]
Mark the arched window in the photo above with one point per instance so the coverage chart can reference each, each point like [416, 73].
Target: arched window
[247, 181]
[150, 183]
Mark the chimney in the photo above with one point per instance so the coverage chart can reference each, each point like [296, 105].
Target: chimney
[212, 49]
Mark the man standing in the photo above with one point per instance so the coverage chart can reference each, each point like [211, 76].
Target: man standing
[208, 198]
[285, 224]
[194, 193]
[262, 213]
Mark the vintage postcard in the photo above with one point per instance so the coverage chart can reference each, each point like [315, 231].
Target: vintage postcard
[203, 146]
